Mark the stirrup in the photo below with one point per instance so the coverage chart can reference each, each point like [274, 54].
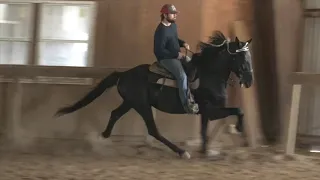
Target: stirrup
[191, 108]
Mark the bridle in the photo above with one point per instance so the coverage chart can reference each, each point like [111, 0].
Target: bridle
[243, 49]
[227, 42]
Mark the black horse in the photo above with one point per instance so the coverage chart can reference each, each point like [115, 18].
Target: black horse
[140, 90]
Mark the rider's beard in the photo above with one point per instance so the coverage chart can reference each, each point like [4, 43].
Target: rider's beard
[170, 20]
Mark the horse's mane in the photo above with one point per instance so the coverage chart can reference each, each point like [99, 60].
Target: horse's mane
[216, 38]
[207, 51]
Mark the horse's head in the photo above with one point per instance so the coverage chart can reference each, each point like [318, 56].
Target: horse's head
[241, 63]
[221, 56]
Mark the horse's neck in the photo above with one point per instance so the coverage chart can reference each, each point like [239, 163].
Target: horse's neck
[212, 89]
[216, 79]
[215, 83]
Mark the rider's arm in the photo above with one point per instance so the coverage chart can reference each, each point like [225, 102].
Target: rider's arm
[181, 42]
[160, 50]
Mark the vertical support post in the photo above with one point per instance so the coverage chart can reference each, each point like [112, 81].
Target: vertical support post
[14, 110]
[293, 121]
[2, 108]
[35, 30]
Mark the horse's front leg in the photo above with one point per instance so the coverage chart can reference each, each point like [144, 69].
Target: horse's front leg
[204, 137]
[216, 113]
[212, 113]
[237, 112]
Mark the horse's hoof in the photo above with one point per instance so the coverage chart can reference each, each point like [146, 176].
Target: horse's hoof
[186, 155]
[96, 138]
[233, 129]
[212, 153]
[103, 141]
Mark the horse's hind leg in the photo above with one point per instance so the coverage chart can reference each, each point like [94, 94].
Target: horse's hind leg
[147, 116]
[98, 142]
[115, 116]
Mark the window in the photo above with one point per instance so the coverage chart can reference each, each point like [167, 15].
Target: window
[46, 33]
[15, 32]
[64, 34]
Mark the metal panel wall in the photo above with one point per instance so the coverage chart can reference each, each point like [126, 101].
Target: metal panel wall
[309, 118]
[312, 4]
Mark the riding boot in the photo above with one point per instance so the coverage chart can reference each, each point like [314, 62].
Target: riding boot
[191, 106]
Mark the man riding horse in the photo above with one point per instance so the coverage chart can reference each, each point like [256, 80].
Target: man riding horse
[167, 46]
[140, 90]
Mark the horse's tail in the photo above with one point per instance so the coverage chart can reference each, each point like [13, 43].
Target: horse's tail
[107, 82]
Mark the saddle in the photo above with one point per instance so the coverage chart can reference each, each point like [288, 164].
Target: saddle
[157, 68]
[168, 79]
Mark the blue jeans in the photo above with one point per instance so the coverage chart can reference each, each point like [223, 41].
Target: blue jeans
[175, 67]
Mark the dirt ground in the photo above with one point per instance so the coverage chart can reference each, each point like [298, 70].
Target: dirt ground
[144, 162]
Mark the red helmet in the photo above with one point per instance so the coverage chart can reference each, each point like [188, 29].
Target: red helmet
[169, 9]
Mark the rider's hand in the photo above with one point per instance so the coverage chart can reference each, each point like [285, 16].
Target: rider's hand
[181, 55]
[186, 45]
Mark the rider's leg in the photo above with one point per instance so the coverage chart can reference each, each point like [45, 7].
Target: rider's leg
[175, 67]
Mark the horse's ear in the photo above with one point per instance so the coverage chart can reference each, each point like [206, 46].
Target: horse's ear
[237, 41]
[249, 41]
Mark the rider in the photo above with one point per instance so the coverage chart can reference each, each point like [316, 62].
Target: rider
[167, 51]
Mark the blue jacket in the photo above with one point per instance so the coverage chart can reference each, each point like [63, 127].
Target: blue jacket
[166, 42]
